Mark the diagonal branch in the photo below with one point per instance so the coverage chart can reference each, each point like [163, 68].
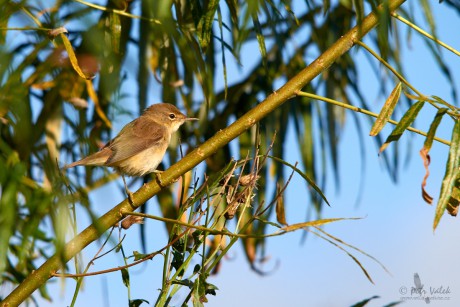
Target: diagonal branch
[90, 234]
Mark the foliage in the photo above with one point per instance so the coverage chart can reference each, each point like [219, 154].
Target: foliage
[66, 73]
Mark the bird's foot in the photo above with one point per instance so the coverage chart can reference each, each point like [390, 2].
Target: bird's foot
[130, 197]
[128, 192]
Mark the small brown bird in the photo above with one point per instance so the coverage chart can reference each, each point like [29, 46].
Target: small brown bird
[140, 146]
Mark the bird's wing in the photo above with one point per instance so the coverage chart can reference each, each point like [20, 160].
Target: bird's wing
[135, 137]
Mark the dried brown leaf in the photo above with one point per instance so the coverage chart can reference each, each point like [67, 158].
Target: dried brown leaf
[426, 162]
[131, 220]
[280, 211]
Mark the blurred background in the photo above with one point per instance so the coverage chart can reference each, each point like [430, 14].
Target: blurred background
[261, 46]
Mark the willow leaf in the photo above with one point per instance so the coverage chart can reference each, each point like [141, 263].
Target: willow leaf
[125, 277]
[359, 9]
[222, 43]
[205, 24]
[387, 110]
[407, 119]
[428, 14]
[443, 102]
[280, 211]
[297, 226]
[424, 152]
[364, 302]
[451, 175]
[443, 66]
[326, 6]
[233, 10]
[72, 57]
[348, 253]
[115, 32]
[433, 127]
[260, 38]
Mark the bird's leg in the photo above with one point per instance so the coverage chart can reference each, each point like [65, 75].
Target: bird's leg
[130, 194]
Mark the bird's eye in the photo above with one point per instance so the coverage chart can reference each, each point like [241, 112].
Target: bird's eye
[172, 116]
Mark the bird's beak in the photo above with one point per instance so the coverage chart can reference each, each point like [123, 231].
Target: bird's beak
[191, 118]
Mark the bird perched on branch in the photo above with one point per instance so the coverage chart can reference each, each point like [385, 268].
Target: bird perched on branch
[140, 146]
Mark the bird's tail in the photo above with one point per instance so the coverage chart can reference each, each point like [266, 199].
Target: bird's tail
[96, 159]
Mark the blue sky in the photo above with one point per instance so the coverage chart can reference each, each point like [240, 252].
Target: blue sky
[396, 224]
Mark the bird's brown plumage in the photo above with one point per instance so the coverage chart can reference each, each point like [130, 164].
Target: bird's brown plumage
[140, 146]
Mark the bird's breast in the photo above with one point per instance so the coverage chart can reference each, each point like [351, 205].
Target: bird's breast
[142, 163]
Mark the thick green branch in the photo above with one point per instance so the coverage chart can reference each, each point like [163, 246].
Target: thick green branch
[90, 234]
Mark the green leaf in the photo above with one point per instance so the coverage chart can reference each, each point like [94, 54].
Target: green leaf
[344, 250]
[196, 269]
[451, 176]
[260, 38]
[114, 35]
[364, 302]
[269, 223]
[407, 119]
[280, 211]
[183, 282]
[359, 9]
[443, 102]
[72, 56]
[178, 260]
[428, 15]
[326, 6]
[443, 66]
[433, 127]
[199, 292]
[387, 110]
[204, 28]
[10, 184]
[383, 40]
[297, 226]
[137, 302]
[233, 10]
[291, 12]
[424, 152]
[222, 45]
[200, 288]
[125, 277]
[139, 256]
[211, 289]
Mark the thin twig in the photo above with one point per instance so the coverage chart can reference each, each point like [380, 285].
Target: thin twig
[118, 12]
[364, 111]
[148, 257]
[399, 76]
[423, 32]
[278, 194]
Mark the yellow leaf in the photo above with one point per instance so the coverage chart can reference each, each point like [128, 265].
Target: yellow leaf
[387, 110]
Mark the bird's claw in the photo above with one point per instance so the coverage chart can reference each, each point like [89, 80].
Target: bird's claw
[128, 192]
[130, 197]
